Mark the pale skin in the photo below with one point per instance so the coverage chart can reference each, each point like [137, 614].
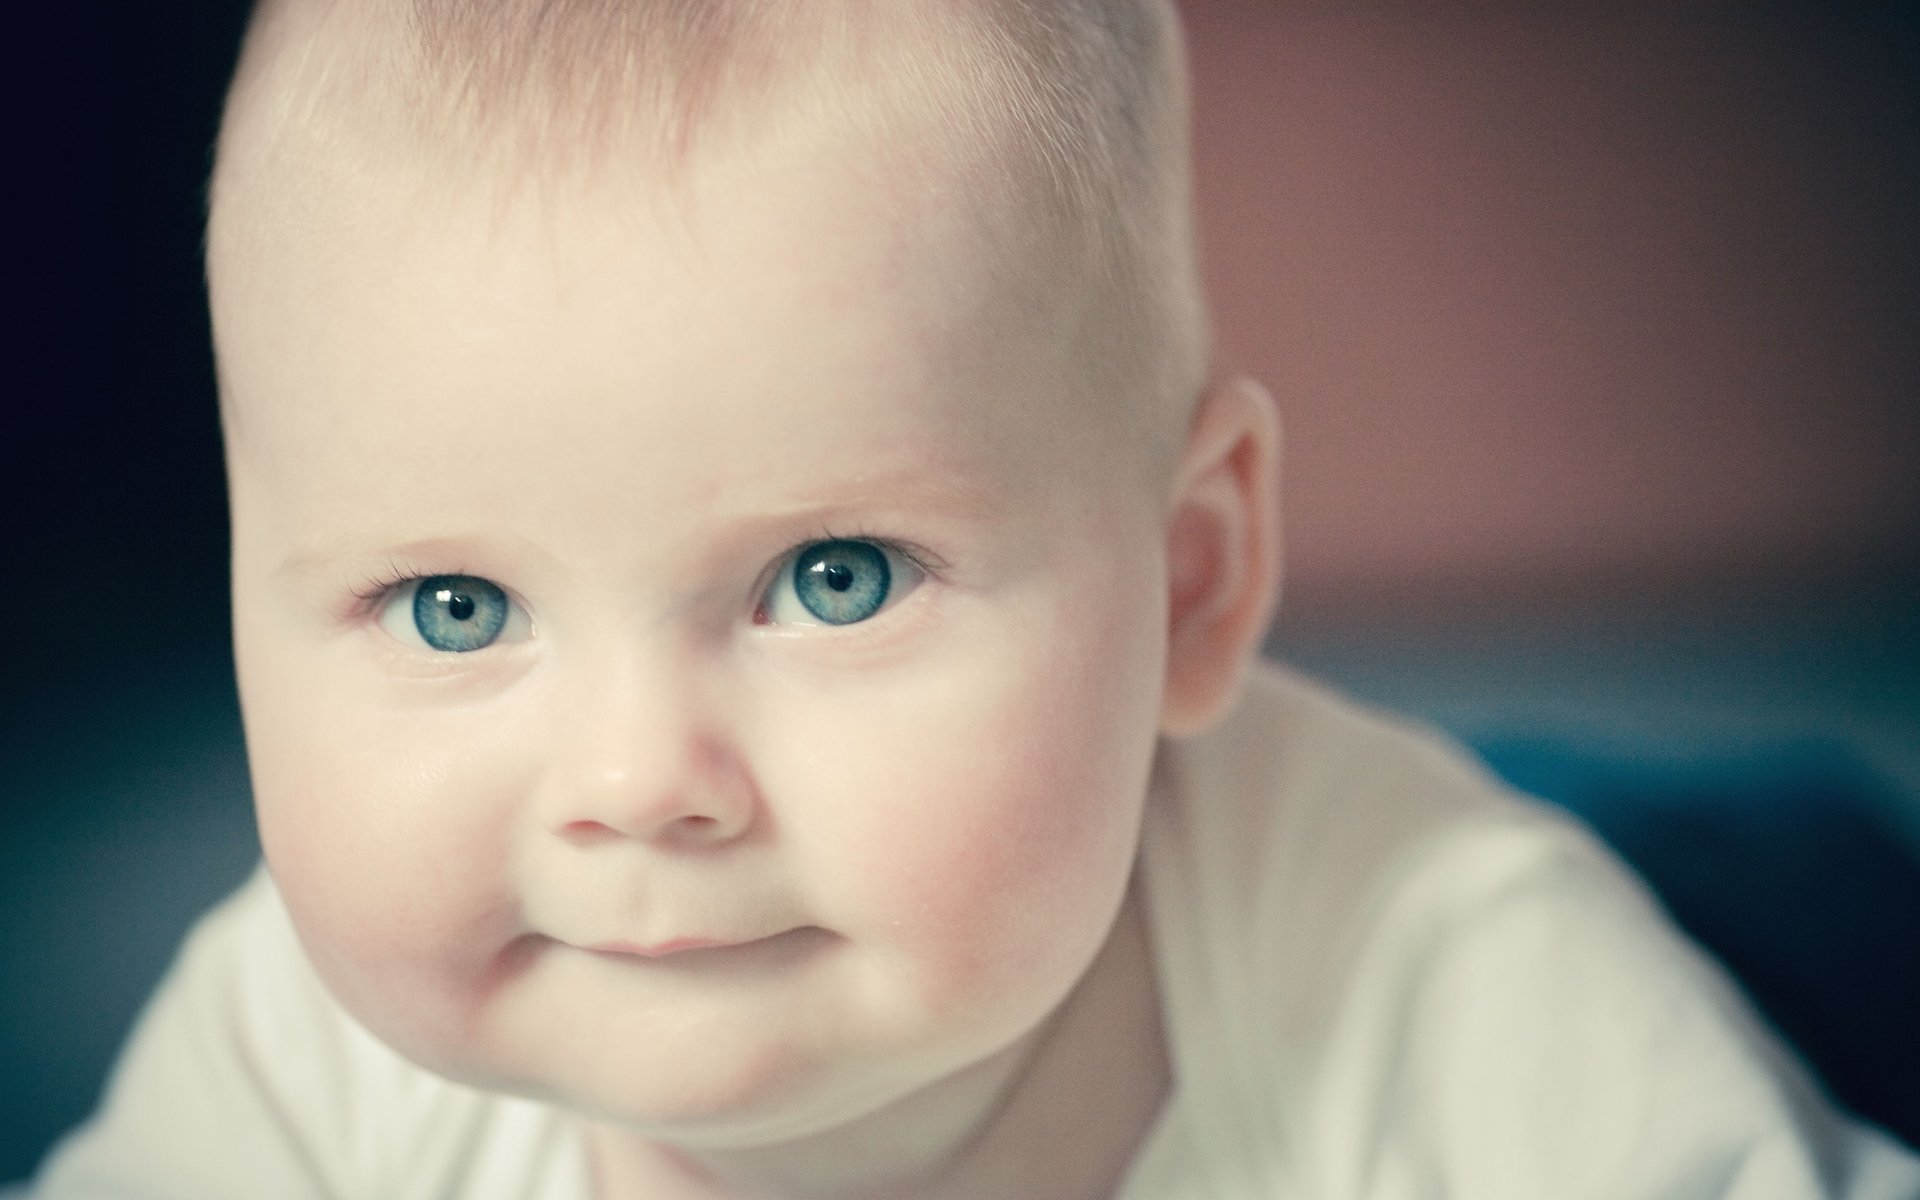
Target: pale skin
[781, 908]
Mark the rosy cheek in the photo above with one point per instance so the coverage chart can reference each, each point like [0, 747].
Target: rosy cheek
[989, 827]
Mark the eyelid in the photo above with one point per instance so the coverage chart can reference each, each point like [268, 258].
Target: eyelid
[370, 595]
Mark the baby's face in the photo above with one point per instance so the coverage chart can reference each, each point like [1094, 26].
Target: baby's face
[711, 683]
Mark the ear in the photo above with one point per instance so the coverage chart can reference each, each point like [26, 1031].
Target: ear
[1223, 552]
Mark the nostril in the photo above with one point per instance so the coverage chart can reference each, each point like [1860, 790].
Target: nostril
[586, 829]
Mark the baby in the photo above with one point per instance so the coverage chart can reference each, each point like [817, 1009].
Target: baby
[745, 585]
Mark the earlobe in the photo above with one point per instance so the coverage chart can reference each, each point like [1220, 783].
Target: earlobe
[1222, 552]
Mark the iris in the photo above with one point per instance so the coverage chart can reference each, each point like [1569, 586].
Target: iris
[458, 613]
[841, 582]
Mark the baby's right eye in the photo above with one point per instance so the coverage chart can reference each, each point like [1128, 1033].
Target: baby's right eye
[453, 614]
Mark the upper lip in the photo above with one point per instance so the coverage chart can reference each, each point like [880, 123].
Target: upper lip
[666, 948]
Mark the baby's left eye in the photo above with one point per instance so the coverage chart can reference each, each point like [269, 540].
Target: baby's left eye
[838, 582]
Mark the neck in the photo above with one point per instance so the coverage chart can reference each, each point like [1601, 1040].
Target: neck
[1016, 1124]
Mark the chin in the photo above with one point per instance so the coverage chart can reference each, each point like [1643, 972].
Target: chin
[763, 1094]
[757, 1105]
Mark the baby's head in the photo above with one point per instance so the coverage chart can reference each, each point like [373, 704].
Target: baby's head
[726, 499]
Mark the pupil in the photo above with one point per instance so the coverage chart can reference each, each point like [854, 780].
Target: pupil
[459, 607]
[839, 578]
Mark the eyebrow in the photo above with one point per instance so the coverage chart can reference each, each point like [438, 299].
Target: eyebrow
[949, 493]
[330, 557]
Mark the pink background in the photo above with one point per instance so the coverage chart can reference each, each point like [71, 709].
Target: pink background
[1582, 301]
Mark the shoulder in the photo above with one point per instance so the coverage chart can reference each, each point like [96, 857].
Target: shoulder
[1523, 1020]
[1302, 800]
[1428, 978]
[1304, 822]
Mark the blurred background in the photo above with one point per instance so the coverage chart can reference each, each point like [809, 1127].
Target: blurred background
[1596, 328]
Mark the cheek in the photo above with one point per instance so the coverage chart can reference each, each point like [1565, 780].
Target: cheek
[383, 838]
[989, 832]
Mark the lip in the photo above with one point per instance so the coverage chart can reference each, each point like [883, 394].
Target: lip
[788, 947]
[666, 949]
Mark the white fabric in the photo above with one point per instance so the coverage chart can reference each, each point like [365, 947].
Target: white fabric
[1382, 979]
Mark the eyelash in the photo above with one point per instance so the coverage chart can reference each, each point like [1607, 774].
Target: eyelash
[371, 592]
[921, 557]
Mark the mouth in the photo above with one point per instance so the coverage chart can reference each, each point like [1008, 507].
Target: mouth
[692, 950]
[666, 949]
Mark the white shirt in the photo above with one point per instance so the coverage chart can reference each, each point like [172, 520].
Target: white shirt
[1381, 976]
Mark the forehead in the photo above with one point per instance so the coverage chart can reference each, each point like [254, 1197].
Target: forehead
[793, 302]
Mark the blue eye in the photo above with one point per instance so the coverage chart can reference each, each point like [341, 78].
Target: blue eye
[454, 614]
[840, 582]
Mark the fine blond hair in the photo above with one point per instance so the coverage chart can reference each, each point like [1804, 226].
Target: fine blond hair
[1073, 111]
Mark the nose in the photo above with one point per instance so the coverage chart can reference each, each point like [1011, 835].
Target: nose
[646, 763]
